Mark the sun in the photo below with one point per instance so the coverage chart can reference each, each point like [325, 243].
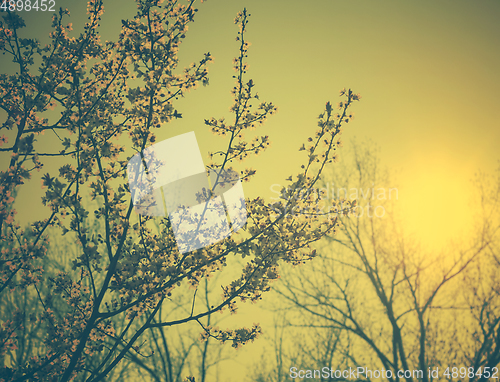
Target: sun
[435, 205]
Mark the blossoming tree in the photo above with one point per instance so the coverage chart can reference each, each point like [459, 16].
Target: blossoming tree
[113, 97]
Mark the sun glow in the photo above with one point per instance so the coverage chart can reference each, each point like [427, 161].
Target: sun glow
[435, 205]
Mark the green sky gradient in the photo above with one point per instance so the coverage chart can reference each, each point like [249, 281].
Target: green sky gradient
[428, 73]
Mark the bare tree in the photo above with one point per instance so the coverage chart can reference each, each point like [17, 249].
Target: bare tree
[479, 344]
[384, 302]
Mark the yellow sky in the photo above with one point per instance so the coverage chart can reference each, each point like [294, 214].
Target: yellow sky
[427, 72]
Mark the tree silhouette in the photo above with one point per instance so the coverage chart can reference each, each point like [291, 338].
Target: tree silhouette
[375, 299]
[112, 97]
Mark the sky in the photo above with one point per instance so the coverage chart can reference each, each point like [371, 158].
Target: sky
[427, 72]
